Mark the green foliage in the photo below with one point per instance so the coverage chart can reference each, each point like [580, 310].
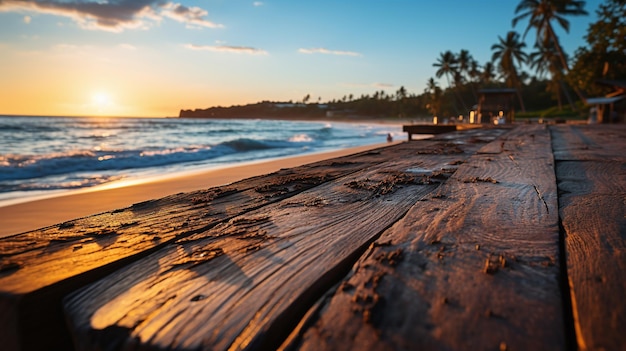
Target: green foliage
[605, 56]
[552, 113]
[536, 95]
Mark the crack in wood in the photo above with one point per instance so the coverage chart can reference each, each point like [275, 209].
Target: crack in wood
[212, 194]
[199, 256]
[388, 184]
[537, 191]
[284, 184]
[480, 180]
[66, 225]
[545, 204]
[7, 266]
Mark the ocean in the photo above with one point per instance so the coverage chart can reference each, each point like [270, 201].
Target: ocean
[46, 155]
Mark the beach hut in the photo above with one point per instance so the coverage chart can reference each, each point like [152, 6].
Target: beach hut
[496, 105]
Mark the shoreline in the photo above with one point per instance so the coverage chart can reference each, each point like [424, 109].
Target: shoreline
[42, 212]
[36, 195]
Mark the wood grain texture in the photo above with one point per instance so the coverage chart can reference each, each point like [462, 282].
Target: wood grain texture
[475, 267]
[245, 283]
[40, 267]
[589, 142]
[591, 174]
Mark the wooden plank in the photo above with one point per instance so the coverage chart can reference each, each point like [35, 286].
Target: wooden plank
[475, 267]
[40, 267]
[589, 142]
[244, 284]
[591, 174]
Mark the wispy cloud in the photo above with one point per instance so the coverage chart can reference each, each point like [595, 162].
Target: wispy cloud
[189, 15]
[257, 3]
[328, 52]
[369, 85]
[227, 48]
[114, 15]
[126, 46]
[27, 19]
[382, 85]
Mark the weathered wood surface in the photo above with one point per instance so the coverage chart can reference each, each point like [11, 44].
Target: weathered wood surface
[446, 244]
[40, 267]
[474, 266]
[243, 284]
[591, 172]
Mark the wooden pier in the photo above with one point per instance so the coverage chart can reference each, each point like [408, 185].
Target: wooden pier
[500, 238]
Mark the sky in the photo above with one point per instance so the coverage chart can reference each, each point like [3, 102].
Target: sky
[152, 58]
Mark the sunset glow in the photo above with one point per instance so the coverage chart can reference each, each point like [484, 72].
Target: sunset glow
[159, 57]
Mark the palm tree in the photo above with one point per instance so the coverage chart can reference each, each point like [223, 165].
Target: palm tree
[541, 13]
[431, 85]
[459, 80]
[401, 93]
[488, 74]
[447, 65]
[545, 61]
[464, 59]
[507, 52]
[474, 75]
[434, 97]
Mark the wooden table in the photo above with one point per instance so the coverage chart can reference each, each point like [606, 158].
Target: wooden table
[502, 238]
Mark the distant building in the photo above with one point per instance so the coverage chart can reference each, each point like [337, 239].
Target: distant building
[496, 105]
[289, 105]
[610, 108]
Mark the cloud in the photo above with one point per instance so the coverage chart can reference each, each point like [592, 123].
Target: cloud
[257, 3]
[328, 52]
[382, 85]
[370, 85]
[127, 47]
[27, 19]
[190, 15]
[227, 48]
[112, 15]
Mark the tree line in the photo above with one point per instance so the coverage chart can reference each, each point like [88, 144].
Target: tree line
[553, 76]
[565, 80]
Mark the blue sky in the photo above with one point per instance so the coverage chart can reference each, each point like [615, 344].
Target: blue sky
[154, 57]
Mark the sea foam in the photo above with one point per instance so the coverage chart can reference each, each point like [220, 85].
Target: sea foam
[41, 153]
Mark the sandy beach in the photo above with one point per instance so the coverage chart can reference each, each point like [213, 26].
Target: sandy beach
[22, 217]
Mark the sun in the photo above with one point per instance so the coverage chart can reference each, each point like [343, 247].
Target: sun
[101, 99]
[101, 103]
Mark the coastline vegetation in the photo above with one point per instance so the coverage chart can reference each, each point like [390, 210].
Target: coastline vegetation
[550, 83]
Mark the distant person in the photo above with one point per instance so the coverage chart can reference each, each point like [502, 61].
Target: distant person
[593, 116]
[389, 138]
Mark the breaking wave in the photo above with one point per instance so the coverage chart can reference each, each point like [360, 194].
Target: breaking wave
[45, 153]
